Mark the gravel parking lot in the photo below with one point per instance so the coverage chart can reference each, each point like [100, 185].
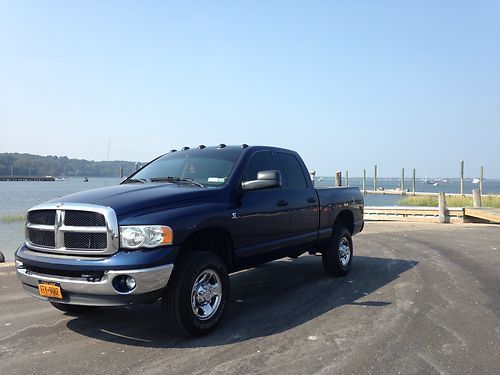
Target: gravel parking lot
[420, 299]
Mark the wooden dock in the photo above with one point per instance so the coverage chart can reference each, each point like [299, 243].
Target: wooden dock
[411, 193]
[454, 215]
[491, 215]
[26, 178]
[413, 213]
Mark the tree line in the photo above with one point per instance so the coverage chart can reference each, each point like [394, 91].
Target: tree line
[16, 164]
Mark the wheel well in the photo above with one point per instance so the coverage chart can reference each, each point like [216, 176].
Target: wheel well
[346, 219]
[216, 240]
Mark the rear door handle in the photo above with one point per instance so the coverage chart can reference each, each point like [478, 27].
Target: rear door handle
[311, 200]
[282, 203]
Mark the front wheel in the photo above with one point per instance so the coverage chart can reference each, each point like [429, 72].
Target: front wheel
[196, 297]
[337, 256]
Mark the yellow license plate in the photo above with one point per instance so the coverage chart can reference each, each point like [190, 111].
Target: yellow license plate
[51, 290]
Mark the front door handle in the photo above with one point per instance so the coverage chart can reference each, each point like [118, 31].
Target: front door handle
[311, 200]
[282, 203]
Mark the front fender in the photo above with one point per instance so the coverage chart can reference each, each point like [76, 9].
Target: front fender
[185, 219]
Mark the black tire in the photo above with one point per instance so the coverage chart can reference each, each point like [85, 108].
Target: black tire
[196, 296]
[337, 256]
[72, 309]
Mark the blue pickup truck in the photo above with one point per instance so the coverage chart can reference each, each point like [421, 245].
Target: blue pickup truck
[175, 229]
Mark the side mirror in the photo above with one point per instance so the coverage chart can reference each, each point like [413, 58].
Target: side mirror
[265, 180]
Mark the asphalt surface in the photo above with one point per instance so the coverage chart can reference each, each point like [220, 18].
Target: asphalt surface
[420, 299]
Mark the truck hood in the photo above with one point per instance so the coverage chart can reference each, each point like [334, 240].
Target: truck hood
[131, 197]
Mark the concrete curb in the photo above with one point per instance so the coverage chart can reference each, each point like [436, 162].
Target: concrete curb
[7, 264]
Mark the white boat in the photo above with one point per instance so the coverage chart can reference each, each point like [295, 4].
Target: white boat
[475, 181]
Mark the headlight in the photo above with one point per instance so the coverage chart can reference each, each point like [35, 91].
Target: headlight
[133, 237]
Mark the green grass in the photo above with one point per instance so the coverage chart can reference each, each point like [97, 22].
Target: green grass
[422, 200]
[451, 201]
[13, 218]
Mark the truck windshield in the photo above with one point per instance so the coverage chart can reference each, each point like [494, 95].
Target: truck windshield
[196, 168]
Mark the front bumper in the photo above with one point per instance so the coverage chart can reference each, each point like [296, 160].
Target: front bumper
[85, 291]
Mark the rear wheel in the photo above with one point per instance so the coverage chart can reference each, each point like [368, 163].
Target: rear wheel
[337, 256]
[72, 309]
[196, 297]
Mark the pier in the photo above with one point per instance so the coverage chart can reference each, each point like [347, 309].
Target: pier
[483, 214]
[27, 178]
[453, 215]
[416, 193]
[401, 188]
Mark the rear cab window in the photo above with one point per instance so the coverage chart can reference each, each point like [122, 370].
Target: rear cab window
[293, 171]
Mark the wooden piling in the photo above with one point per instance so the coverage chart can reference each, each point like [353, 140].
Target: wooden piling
[442, 207]
[481, 191]
[413, 181]
[476, 197]
[346, 178]
[364, 181]
[462, 177]
[375, 179]
[121, 172]
[338, 178]
[403, 191]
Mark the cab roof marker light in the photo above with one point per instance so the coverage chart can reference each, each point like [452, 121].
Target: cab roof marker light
[185, 148]
[172, 151]
[244, 145]
[222, 145]
[201, 147]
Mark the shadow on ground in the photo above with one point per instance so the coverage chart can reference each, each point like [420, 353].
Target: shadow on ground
[264, 301]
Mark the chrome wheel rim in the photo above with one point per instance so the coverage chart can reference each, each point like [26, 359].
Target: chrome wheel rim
[344, 252]
[206, 294]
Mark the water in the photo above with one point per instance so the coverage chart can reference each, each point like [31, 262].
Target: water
[452, 185]
[18, 197]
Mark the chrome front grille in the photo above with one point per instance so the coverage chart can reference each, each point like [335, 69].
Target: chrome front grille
[43, 238]
[85, 240]
[84, 219]
[71, 228]
[43, 217]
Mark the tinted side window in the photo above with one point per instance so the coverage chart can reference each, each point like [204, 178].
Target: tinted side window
[260, 161]
[293, 171]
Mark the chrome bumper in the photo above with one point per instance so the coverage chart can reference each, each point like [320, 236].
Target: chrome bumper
[149, 283]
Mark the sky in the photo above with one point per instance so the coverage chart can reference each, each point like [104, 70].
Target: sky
[347, 84]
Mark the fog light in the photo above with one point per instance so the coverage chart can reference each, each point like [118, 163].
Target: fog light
[130, 283]
[124, 284]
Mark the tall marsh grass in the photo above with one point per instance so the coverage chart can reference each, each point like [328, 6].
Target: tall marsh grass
[13, 218]
[451, 201]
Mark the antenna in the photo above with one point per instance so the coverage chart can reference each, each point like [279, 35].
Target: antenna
[109, 148]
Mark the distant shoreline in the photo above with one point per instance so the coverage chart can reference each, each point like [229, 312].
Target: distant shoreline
[15, 165]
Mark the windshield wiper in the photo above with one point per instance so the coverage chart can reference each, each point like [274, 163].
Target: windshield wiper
[134, 180]
[175, 179]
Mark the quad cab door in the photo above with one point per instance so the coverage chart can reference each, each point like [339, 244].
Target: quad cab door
[261, 221]
[303, 201]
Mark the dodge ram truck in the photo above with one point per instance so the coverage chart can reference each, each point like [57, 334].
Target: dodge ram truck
[175, 229]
